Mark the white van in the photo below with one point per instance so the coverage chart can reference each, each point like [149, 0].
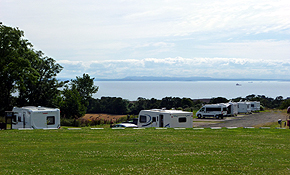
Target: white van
[212, 110]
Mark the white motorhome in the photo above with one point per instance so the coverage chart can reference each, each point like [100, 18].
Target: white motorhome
[165, 118]
[244, 107]
[255, 106]
[212, 110]
[36, 117]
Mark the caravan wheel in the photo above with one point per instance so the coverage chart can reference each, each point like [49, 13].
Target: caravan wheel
[217, 117]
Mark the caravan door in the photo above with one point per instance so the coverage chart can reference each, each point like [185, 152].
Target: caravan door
[23, 119]
[161, 120]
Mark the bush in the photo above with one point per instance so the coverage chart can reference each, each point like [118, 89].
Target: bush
[262, 108]
[69, 122]
[285, 104]
[189, 109]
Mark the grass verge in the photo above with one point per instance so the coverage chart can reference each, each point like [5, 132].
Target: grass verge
[149, 151]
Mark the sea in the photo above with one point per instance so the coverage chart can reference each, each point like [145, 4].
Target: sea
[132, 90]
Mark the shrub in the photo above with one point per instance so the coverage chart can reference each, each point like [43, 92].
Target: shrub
[262, 108]
[285, 104]
[69, 122]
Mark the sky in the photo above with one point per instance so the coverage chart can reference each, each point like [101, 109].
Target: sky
[164, 38]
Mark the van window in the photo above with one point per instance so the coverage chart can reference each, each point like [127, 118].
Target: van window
[143, 119]
[182, 119]
[213, 109]
[50, 120]
[202, 109]
[224, 109]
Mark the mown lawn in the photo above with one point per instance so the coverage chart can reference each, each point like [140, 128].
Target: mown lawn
[149, 151]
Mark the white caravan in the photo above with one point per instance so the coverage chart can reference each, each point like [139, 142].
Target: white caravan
[232, 109]
[165, 118]
[244, 107]
[255, 106]
[212, 110]
[36, 117]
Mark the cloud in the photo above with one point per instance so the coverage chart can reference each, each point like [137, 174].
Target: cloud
[118, 38]
[183, 67]
[111, 20]
[252, 49]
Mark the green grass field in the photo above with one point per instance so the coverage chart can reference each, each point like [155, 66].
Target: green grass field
[146, 151]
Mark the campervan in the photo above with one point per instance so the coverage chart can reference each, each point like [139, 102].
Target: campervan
[165, 118]
[212, 110]
[244, 107]
[36, 117]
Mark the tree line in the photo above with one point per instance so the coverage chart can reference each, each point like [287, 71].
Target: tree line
[117, 105]
[32, 75]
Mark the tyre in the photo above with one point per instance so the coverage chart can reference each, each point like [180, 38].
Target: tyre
[217, 117]
[198, 116]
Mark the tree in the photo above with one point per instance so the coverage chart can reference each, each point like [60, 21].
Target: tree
[70, 104]
[43, 89]
[277, 102]
[139, 105]
[153, 103]
[94, 106]
[218, 100]
[26, 72]
[85, 86]
[167, 102]
[14, 65]
[75, 98]
[250, 97]
[285, 104]
[186, 103]
[119, 106]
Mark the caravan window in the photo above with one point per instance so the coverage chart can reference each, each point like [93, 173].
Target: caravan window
[143, 119]
[153, 119]
[182, 119]
[50, 120]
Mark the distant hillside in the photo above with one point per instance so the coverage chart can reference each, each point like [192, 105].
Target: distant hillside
[151, 78]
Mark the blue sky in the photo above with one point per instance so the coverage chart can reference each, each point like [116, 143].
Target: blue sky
[184, 38]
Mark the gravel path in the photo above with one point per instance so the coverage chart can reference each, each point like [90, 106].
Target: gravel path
[249, 120]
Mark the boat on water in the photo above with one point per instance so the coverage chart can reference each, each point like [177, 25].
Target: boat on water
[238, 84]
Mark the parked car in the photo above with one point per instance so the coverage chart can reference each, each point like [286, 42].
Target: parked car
[124, 125]
[132, 121]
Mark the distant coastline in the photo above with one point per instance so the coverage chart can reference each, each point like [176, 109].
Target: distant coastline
[151, 78]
